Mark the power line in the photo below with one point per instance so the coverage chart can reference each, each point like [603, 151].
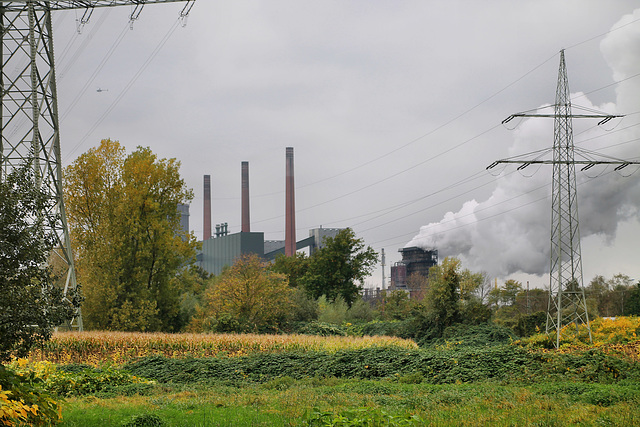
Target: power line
[128, 86]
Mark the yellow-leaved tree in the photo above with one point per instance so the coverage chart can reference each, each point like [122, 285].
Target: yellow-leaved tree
[125, 228]
[247, 297]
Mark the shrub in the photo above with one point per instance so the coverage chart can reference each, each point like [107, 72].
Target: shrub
[322, 329]
[144, 420]
[24, 401]
[360, 417]
[77, 380]
[474, 336]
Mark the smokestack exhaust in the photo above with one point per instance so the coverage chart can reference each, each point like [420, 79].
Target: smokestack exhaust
[246, 223]
[207, 208]
[290, 208]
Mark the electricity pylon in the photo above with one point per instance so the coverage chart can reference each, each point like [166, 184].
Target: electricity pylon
[567, 302]
[29, 125]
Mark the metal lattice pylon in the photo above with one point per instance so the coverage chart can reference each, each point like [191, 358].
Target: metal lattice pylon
[29, 125]
[567, 302]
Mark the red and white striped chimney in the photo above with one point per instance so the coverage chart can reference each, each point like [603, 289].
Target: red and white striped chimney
[207, 208]
[246, 223]
[290, 208]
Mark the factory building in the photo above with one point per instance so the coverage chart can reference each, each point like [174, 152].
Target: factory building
[223, 249]
[183, 211]
[414, 261]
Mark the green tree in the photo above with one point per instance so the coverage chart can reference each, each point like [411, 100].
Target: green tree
[248, 297]
[31, 305]
[443, 295]
[294, 267]
[339, 268]
[632, 307]
[395, 305]
[507, 294]
[124, 221]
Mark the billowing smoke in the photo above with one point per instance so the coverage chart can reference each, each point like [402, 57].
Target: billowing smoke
[509, 232]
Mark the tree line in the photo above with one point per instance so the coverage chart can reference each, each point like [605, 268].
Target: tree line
[135, 268]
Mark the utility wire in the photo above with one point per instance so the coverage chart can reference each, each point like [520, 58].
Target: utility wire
[95, 73]
[131, 82]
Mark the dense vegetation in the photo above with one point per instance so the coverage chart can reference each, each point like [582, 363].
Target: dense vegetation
[388, 383]
[453, 343]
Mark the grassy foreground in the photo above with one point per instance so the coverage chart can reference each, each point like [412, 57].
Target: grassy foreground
[373, 403]
[251, 380]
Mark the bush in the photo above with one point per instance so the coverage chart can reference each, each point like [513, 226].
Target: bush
[530, 324]
[24, 401]
[360, 417]
[436, 366]
[474, 336]
[78, 379]
[322, 329]
[144, 420]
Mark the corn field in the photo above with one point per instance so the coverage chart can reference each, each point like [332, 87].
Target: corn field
[97, 347]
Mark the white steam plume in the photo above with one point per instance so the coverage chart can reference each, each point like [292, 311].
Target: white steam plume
[518, 240]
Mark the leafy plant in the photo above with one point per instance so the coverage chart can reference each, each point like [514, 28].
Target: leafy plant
[361, 417]
[144, 420]
[24, 400]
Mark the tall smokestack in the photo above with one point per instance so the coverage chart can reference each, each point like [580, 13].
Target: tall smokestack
[290, 208]
[246, 223]
[207, 208]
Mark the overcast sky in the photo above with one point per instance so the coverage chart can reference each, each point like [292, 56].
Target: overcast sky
[393, 108]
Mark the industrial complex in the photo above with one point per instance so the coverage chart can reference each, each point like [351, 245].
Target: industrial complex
[221, 248]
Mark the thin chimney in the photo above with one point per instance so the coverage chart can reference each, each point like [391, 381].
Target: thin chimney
[207, 207]
[290, 208]
[246, 223]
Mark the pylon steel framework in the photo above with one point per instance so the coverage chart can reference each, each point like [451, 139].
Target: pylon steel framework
[29, 125]
[567, 302]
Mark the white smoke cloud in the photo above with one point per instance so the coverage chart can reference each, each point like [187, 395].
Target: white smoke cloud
[517, 241]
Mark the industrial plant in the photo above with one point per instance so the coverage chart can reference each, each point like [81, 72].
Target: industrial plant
[222, 248]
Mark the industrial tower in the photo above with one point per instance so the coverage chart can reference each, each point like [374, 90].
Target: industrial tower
[29, 125]
[567, 303]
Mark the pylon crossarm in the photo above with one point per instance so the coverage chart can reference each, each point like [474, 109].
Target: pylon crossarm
[605, 117]
[589, 163]
[14, 6]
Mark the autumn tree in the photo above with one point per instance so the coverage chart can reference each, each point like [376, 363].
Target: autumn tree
[31, 304]
[339, 267]
[123, 216]
[247, 297]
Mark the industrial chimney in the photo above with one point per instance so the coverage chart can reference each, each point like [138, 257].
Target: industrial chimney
[290, 208]
[207, 208]
[246, 223]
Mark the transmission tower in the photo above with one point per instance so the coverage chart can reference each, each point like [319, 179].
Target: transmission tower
[29, 125]
[567, 303]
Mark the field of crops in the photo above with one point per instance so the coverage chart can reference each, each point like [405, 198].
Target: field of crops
[121, 347]
[227, 379]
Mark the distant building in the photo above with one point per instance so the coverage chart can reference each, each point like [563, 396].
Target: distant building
[414, 261]
[183, 210]
[225, 248]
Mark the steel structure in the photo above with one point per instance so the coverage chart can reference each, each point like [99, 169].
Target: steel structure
[29, 125]
[567, 303]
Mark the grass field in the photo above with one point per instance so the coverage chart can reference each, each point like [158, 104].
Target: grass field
[122, 379]
[308, 402]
